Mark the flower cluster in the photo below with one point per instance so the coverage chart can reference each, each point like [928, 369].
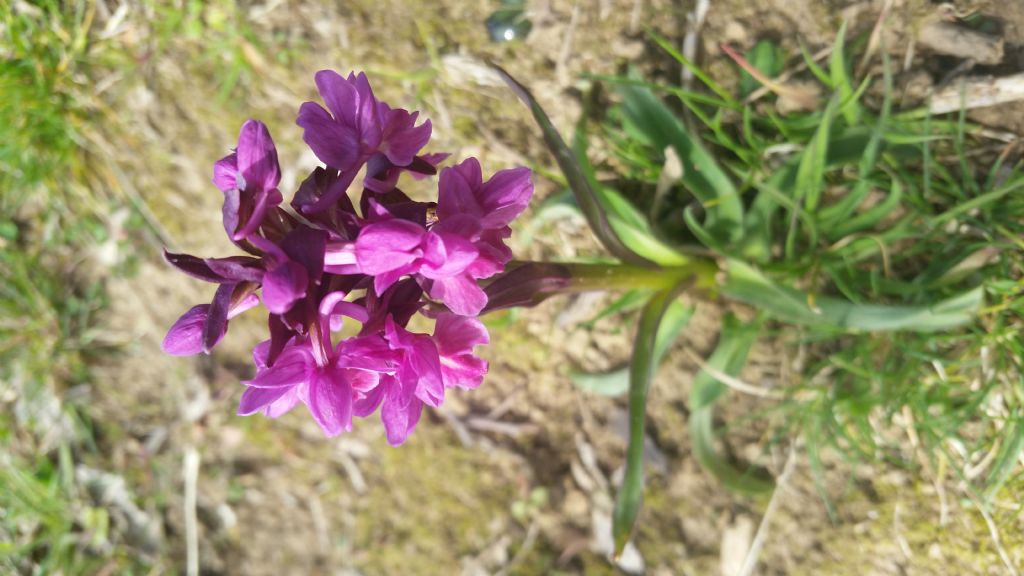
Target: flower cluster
[324, 260]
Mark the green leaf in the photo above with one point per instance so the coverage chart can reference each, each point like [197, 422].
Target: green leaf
[616, 382]
[667, 46]
[641, 371]
[586, 197]
[635, 231]
[701, 174]
[729, 357]
[869, 218]
[767, 57]
[841, 81]
[1006, 462]
[749, 285]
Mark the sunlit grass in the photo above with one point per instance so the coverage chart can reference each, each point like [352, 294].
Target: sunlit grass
[856, 206]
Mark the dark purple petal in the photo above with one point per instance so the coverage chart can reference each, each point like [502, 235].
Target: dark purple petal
[330, 401]
[283, 285]
[333, 195]
[339, 94]
[194, 267]
[280, 335]
[527, 285]
[256, 205]
[306, 246]
[368, 112]
[257, 157]
[217, 319]
[333, 143]
[402, 139]
[235, 268]
[185, 338]
[420, 164]
[225, 173]
[255, 399]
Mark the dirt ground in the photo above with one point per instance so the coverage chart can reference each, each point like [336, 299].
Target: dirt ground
[514, 478]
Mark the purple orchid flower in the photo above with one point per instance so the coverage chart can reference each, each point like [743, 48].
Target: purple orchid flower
[201, 328]
[328, 378]
[381, 261]
[442, 257]
[248, 177]
[355, 129]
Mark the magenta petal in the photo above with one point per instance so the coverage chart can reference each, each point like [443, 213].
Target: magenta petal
[225, 172]
[284, 404]
[340, 258]
[400, 418]
[459, 334]
[333, 143]
[257, 157]
[293, 367]
[505, 196]
[230, 211]
[463, 371]
[283, 285]
[460, 293]
[185, 338]
[455, 190]
[387, 246]
[335, 304]
[368, 404]
[330, 401]
[255, 399]
[446, 255]
[247, 302]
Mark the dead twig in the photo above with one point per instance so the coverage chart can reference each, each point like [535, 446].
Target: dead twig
[191, 477]
[733, 382]
[977, 93]
[754, 553]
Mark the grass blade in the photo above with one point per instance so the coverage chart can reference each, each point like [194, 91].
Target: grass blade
[747, 284]
[729, 357]
[586, 196]
[702, 176]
